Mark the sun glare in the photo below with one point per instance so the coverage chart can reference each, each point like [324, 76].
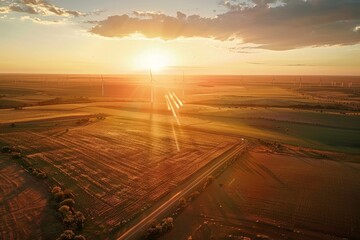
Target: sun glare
[154, 60]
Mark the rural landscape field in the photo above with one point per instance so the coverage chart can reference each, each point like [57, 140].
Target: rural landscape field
[180, 120]
[119, 155]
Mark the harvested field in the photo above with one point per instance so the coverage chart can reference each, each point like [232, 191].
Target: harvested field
[271, 195]
[24, 209]
[119, 155]
[118, 166]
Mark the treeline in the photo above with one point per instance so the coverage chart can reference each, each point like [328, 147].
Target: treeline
[59, 100]
[158, 229]
[64, 200]
[72, 219]
[16, 154]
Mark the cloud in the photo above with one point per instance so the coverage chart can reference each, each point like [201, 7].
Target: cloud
[41, 21]
[270, 24]
[4, 10]
[40, 7]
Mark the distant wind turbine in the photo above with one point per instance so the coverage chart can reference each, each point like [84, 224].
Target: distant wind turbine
[151, 87]
[102, 86]
[183, 84]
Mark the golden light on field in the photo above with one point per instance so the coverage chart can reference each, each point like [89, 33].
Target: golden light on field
[173, 104]
[154, 59]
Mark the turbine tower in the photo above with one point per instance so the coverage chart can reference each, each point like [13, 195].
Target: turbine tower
[183, 85]
[151, 87]
[102, 86]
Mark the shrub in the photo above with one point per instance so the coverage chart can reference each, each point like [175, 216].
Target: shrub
[100, 116]
[69, 219]
[57, 193]
[167, 224]
[69, 202]
[39, 173]
[209, 180]
[80, 220]
[157, 229]
[154, 231]
[64, 209]
[83, 120]
[59, 196]
[6, 149]
[66, 235]
[182, 203]
[42, 175]
[193, 196]
[79, 237]
[16, 155]
[56, 189]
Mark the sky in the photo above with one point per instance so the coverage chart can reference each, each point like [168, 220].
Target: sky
[244, 37]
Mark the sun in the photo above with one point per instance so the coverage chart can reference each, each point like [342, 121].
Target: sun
[155, 60]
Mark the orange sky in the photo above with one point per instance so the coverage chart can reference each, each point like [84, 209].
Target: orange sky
[131, 38]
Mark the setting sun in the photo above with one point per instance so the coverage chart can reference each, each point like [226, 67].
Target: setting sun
[155, 60]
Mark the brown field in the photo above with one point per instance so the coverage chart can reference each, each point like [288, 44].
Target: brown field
[115, 167]
[24, 208]
[121, 165]
[278, 195]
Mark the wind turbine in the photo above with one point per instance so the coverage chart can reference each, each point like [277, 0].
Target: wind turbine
[183, 84]
[102, 86]
[151, 87]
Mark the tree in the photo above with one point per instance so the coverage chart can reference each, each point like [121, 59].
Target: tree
[56, 189]
[59, 196]
[193, 195]
[167, 224]
[79, 220]
[209, 180]
[6, 149]
[69, 202]
[182, 203]
[68, 219]
[64, 209]
[66, 235]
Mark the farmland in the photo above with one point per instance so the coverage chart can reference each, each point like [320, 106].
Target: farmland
[114, 167]
[24, 205]
[270, 194]
[119, 155]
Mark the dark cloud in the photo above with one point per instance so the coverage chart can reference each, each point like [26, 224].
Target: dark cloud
[40, 7]
[276, 25]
